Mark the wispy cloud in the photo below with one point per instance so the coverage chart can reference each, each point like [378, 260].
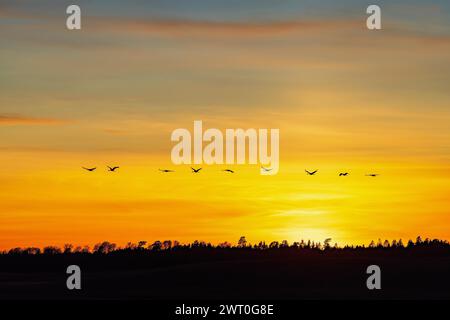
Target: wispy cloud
[15, 120]
[223, 28]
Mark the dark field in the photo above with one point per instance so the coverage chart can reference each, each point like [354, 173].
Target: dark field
[213, 273]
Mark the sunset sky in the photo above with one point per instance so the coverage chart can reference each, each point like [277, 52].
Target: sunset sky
[344, 98]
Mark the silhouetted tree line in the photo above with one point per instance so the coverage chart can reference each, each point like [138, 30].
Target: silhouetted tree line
[168, 245]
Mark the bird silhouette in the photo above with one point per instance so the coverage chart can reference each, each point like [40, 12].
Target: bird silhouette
[89, 169]
[311, 173]
[343, 174]
[228, 170]
[196, 170]
[112, 169]
[266, 169]
[372, 175]
[166, 170]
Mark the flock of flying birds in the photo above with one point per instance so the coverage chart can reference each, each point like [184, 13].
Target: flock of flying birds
[194, 170]
[112, 169]
[341, 174]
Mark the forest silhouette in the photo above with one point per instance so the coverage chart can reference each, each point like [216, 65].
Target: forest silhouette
[107, 247]
[276, 270]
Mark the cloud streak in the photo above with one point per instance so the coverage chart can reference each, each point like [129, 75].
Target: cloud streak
[20, 120]
[181, 27]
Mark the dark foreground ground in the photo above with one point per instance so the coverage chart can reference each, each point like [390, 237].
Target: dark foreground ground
[230, 274]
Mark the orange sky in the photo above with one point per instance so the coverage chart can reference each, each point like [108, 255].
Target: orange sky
[344, 99]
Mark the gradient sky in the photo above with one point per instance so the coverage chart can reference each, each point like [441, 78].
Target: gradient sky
[344, 98]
